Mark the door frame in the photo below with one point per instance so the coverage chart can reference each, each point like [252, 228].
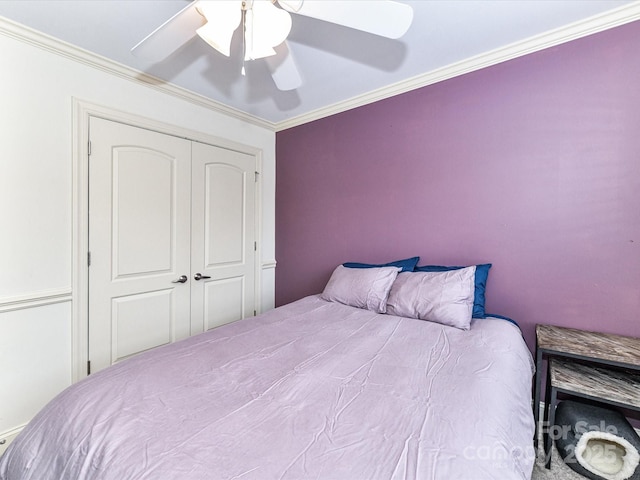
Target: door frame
[82, 111]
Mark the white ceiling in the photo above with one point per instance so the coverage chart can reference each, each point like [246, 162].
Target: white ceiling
[336, 63]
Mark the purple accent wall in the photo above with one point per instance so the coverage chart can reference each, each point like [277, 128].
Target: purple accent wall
[532, 165]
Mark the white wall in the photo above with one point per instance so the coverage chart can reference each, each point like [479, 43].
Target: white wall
[37, 85]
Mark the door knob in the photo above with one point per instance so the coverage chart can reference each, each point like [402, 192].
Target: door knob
[199, 276]
[182, 279]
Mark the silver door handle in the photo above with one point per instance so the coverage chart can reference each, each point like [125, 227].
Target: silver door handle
[199, 276]
[182, 279]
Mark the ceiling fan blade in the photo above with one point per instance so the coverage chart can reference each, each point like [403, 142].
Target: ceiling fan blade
[381, 17]
[171, 35]
[283, 69]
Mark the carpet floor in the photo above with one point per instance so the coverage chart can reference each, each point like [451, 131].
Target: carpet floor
[559, 470]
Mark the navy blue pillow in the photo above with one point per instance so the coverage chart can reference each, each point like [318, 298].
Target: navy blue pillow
[407, 265]
[480, 284]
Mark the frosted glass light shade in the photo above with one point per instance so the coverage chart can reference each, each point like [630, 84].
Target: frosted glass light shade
[223, 17]
[266, 27]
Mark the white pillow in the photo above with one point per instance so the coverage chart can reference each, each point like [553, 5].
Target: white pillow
[361, 287]
[442, 297]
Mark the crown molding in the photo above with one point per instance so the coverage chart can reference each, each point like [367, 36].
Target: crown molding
[613, 18]
[59, 47]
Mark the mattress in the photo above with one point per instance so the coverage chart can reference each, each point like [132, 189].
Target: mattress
[310, 390]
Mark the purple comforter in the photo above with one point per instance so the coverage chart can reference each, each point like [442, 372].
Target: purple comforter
[310, 390]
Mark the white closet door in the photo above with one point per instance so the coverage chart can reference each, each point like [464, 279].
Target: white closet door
[139, 239]
[223, 236]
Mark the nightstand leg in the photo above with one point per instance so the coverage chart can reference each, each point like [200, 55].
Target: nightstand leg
[536, 397]
[550, 416]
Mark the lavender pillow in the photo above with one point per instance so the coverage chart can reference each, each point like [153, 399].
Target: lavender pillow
[361, 287]
[442, 297]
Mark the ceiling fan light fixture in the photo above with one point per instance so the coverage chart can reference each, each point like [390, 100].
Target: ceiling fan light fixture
[291, 5]
[223, 17]
[266, 26]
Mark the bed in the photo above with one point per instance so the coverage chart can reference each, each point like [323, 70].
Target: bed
[316, 389]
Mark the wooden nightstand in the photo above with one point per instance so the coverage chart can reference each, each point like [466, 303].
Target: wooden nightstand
[619, 388]
[598, 349]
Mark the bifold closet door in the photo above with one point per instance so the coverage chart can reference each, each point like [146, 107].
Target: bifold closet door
[223, 236]
[139, 240]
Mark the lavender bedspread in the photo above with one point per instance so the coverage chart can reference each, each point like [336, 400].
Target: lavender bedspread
[311, 390]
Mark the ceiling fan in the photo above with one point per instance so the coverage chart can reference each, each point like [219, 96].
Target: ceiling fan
[266, 24]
